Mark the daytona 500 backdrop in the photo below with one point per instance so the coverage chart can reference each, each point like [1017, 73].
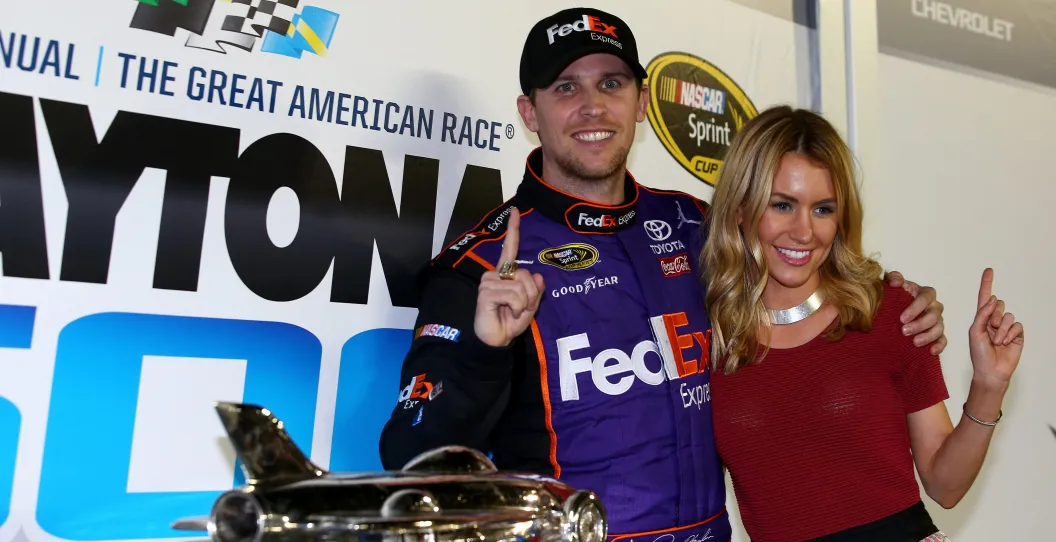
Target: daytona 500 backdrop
[228, 200]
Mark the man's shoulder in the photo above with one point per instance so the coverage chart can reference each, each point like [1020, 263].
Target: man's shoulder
[695, 205]
[461, 253]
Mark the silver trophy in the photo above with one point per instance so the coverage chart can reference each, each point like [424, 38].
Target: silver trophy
[447, 494]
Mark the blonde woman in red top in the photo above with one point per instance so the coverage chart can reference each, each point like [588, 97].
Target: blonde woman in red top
[822, 405]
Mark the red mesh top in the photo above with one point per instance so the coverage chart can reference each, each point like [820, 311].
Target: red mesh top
[815, 437]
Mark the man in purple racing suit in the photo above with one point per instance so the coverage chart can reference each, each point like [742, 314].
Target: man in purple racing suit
[589, 363]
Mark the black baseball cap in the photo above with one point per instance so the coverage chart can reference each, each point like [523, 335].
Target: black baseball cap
[566, 36]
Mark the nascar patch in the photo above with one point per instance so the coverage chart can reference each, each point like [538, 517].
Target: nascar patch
[439, 331]
[570, 257]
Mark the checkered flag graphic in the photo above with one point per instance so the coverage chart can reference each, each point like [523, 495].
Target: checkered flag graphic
[167, 16]
[261, 15]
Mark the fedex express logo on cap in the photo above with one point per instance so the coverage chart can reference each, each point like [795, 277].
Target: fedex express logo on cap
[589, 22]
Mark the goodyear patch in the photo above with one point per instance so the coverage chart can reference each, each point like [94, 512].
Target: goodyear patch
[439, 331]
[696, 110]
[570, 257]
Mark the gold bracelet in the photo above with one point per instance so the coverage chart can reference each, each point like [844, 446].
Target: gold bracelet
[1000, 414]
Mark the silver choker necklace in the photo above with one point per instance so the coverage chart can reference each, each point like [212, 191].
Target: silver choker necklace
[797, 313]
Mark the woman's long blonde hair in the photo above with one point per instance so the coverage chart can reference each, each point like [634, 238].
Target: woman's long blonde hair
[733, 261]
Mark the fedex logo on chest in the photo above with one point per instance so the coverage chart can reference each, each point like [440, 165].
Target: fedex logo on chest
[670, 357]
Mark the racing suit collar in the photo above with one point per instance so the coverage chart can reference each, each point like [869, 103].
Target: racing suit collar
[581, 215]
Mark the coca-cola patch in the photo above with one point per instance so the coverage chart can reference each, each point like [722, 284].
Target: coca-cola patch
[676, 265]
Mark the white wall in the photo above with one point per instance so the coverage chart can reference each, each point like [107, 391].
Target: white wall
[969, 182]
[958, 168]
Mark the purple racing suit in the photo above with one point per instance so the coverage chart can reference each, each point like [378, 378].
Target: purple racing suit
[608, 390]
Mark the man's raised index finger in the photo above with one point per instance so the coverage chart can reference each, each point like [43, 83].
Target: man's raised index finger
[985, 287]
[511, 242]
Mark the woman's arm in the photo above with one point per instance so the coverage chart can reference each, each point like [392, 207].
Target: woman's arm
[947, 459]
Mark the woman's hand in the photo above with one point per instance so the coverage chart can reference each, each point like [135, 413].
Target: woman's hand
[995, 347]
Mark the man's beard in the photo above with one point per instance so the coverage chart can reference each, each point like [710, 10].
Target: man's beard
[572, 166]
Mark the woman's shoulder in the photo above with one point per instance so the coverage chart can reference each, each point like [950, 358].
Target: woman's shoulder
[894, 301]
[895, 297]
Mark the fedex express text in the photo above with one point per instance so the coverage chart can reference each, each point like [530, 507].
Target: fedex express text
[613, 371]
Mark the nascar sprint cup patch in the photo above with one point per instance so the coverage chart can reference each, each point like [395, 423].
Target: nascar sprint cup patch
[695, 109]
[570, 257]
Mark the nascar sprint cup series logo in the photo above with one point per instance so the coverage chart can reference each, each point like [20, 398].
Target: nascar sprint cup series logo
[695, 109]
[570, 257]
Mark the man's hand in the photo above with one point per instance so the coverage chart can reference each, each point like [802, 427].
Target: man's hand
[923, 317]
[505, 307]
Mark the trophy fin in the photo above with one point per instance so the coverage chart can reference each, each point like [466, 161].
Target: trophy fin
[200, 523]
[267, 453]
